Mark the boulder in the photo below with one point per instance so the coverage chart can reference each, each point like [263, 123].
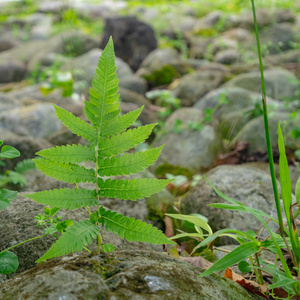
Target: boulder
[191, 87]
[12, 70]
[132, 275]
[133, 39]
[37, 120]
[251, 186]
[253, 132]
[189, 148]
[228, 57]
[280, 84]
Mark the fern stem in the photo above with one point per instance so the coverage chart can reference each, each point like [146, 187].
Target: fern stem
[100, 243]
[35, 238]
[87, 249]
[87, 208]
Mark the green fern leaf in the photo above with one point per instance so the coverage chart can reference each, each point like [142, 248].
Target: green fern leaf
[66, 198]
[74, 238]
[75, 124]
[103, 96]
[120, 143]
[69, 154]
[120, 124]
[131, 229]
[25, 166]
[128, 163]
[65, 172]
[130, 189]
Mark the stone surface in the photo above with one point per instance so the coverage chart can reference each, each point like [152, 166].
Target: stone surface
[120, 275]
[133, 39]
[192, 87]
[253, 132]
[184, 147]
[37, 120]
[280, 84]
[11, 71]
[227, 57]
[246, 184]
[17, 224]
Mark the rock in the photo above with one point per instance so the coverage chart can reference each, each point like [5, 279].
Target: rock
[253, 132]
[17, 226]
[284, 15]
[239, 34]
[187, 148]
[280, 84]
[228, 57]
[41, 26]
[11, 71]
[37, 120]
[198, 46]
[121, 275]
[248, 185]
[133, 39]
[193, 86]
[135, 84]
[7, 42]
[157, 67]
[265, 17]
[275, 39]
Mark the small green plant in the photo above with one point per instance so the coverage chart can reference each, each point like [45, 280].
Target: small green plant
[107, 141]
[285, 277]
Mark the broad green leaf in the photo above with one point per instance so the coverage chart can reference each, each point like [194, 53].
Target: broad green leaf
[5, 197]
[285, 181]
[297, 190]
[193, 220]
[244, 266]
[108, 247]
[9, 152]
[182, 235]
[8, 262]
[238, 254]
[4, 203]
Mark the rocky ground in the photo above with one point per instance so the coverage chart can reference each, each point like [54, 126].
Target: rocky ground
[197, 76]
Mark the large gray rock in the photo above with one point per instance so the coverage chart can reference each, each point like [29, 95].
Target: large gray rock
[12, 70]
[254, 133]
[37, 120]
[192, 87]
[280, 84]
[188, 148]
[120, 275]
[246, 184]
[17, 224]
[133, 39]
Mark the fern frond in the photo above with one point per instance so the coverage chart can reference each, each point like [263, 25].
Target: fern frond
[120, 124]
[65, 172]
[130, 189]
[75, 124]
[66, 198]
[25, 166]
[120, 143]
[128, 163]
[69, 153]
[131, 229]
[74, 238]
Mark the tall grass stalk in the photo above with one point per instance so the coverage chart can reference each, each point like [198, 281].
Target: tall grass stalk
[271, 161]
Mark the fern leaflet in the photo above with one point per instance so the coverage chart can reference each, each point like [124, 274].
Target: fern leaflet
[66, 198]
[131, 229]
[128, 163]
[69, 154]
[74, 238]
[130, 189]
[65, 172]
[120, 143]
[120, 124]
[75, 124]
[25, 166]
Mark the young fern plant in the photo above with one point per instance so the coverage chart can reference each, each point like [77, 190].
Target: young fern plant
[108, 139]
